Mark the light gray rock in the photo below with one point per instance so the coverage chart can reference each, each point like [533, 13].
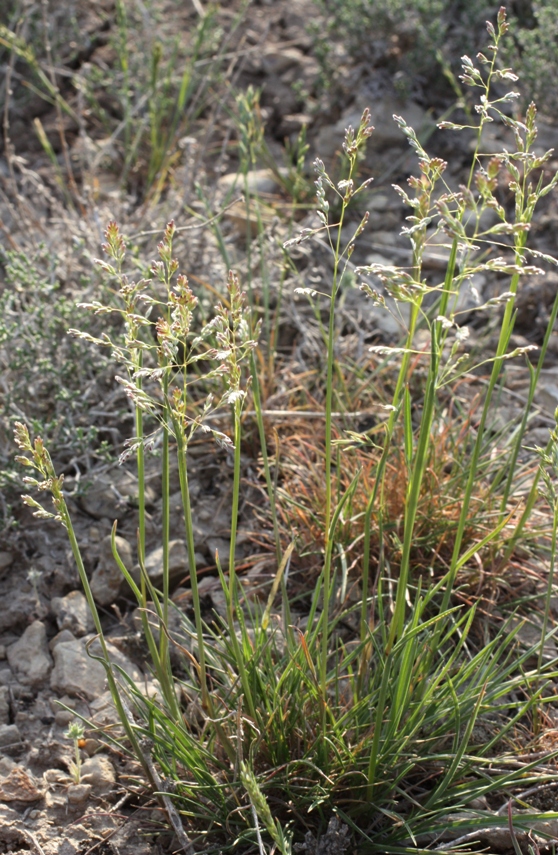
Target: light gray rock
[103, 711]
[4, 705]
[63, 718]
[113, 495]
[98, 772]
[6, 560]
[494, 139]
[78, 793]
[277, 59]
[7, 677]
[72, 612]
[529, 634]
[76, 673]
[21, 606]
[178, 563]
[547, 395]
[260, 181]
[29, 657]
[471, 294]
[107, 581]
[6, 765]
[10, 737]
[20, 786]
[63, 635]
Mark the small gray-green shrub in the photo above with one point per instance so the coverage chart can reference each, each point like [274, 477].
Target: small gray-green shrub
[44, 375]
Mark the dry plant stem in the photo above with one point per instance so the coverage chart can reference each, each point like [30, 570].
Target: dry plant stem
[186, 844]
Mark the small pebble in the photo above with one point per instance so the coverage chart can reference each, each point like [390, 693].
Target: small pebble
[10, 737]
[63, 718]
[99, 772]
[91, 746]
[61, 637]
[78, 793]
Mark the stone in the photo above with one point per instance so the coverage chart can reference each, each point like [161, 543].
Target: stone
[10, 737]
[94, 534]
[436, 257]
[107, 580]
[111, 496]
[494, 139]
[21, 606]
[260, 181]
[2, 651]
[63, 717]
[6, 560]
[247, 221]
[383, 202]
[72, 612]
[98, 771]
[91, 747]
[78, 793]
[6, 765]
[7, 677]
[546, 395]
[29, 657]
[178, 563]
[9, 822]
[63, 635]
[19, 786]
[76, 673]
[56, 776]
[529, 635]
[4, 705]
[276, 60]
[471, 294]
[103, 711]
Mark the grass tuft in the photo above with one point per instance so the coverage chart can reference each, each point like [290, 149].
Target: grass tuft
[367, 697]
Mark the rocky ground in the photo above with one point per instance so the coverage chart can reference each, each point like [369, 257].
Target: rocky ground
[45, 672]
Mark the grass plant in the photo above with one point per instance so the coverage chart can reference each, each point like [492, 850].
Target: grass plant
[417, 39]
[393, 710]
[152, 105]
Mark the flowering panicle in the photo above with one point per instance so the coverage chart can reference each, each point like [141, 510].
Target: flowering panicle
[36, 456]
